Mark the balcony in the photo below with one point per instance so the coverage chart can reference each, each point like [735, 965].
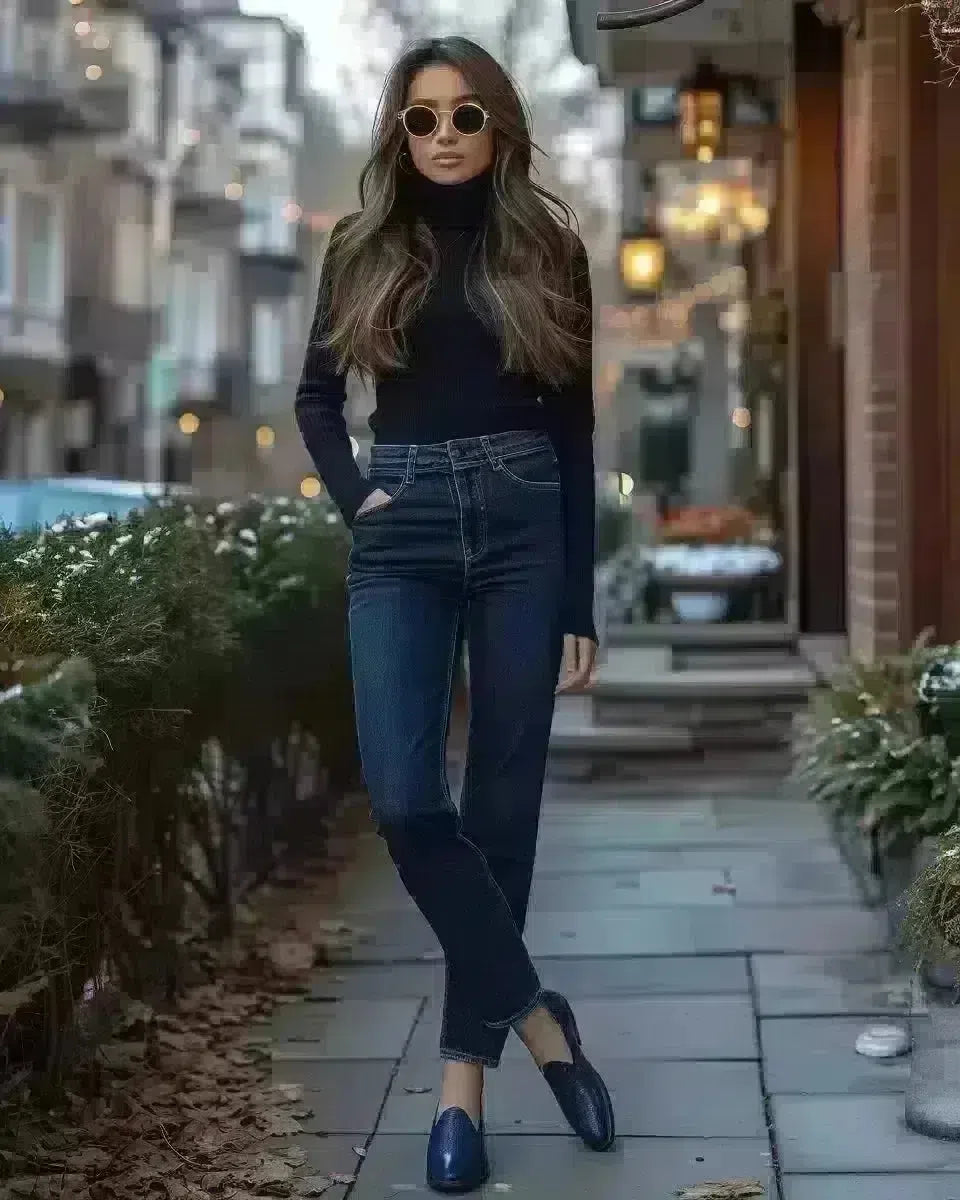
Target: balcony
[100, 329]
[220, 386]
[207, 197]
[32, 367]
[270, 264]
[54, 83]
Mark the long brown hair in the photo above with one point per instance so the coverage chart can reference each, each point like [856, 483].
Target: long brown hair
[379, 268]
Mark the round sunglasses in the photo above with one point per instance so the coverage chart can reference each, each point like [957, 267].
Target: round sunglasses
[421, 121]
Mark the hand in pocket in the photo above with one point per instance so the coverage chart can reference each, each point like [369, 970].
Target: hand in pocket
[377, 499]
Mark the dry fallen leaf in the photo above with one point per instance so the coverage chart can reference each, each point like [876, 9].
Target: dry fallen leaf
[729, 1189]
[292, 958]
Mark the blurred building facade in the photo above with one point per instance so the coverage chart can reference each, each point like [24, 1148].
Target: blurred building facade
[157, 241]
[840, 370]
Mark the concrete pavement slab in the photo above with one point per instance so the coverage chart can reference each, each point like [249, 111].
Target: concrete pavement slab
[829, 985]
[816, 1056]
[634, 889]
[651, 1099]
[560, 1168]
[344, 1097]
[580, 978]
[356, 1029]
[643, 1027]
[396, 981]
[856, 1135]
[872, 1187]
[824, 929]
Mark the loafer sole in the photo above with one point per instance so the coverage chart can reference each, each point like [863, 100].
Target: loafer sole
[457, 1187]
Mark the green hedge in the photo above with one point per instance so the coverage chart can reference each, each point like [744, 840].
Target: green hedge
[177, 686]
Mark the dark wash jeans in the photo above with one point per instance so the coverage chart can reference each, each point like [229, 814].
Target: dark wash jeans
[470, 545]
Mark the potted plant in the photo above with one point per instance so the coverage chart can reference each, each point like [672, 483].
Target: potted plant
[888, 780]
[932, 932]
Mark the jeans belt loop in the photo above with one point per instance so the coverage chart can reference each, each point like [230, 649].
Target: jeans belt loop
[411, 463]
[493, 459]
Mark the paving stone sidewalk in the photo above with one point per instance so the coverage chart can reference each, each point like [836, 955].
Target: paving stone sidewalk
[721, 964]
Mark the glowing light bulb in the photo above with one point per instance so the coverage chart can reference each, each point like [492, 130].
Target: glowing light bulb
[310, 487]
[741, 418]
[189, 423]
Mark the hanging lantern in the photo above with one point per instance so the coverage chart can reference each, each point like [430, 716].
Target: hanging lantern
[642, 262]
[701, 104]
[643, 256]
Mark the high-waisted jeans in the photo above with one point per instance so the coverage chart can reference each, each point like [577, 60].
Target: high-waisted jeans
[470, 545]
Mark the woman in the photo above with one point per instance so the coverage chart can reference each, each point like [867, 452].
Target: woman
[468, 301]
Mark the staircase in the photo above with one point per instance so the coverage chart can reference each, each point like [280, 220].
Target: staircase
[682, 693]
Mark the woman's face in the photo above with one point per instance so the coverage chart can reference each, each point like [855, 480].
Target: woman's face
[446, 156]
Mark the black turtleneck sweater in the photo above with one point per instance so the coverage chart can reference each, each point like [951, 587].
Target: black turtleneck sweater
[455, 387]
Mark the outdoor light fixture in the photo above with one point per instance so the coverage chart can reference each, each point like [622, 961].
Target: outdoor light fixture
[642, 262]
[265, 437]
[189, 423]
[701, 105]
[650, 15]
[643, 256]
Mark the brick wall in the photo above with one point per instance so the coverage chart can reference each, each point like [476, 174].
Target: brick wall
[875, 99]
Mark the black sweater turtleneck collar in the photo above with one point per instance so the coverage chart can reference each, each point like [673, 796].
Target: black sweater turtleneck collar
[450, 205]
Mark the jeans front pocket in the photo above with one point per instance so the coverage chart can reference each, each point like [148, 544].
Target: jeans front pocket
[390, 483]
[536, 469]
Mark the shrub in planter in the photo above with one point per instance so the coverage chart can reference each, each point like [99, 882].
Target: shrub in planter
[862, 751]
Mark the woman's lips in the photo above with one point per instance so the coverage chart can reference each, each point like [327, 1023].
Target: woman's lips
[448, 160]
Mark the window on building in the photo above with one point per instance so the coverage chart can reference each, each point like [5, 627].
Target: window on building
[38, 238]
[131, 276]
[6, 241]
[192, 311]
[269, 342]
[8, 34]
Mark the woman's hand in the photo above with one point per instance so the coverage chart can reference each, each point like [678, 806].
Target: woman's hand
[579, 659]
[377, 498]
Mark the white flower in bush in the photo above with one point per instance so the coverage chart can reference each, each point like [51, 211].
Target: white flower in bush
[247, 535]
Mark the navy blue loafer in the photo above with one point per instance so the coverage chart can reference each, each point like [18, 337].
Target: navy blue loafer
[580, 1092]
[456, 1154]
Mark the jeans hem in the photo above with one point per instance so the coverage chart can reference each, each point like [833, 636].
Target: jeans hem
[480, 1060]
[519, 1016]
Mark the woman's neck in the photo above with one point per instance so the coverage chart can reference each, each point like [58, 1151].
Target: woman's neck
[450, 205]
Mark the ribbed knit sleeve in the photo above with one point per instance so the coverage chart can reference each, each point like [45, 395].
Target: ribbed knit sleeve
[320, 400]
[571, 420]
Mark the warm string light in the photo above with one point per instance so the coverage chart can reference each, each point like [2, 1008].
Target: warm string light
[310, 487]
[189, 423]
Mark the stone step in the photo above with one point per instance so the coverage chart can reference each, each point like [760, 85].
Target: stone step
[578, 747]
[746, 707]
[696, 636]
[623, 678]
[699, 659]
